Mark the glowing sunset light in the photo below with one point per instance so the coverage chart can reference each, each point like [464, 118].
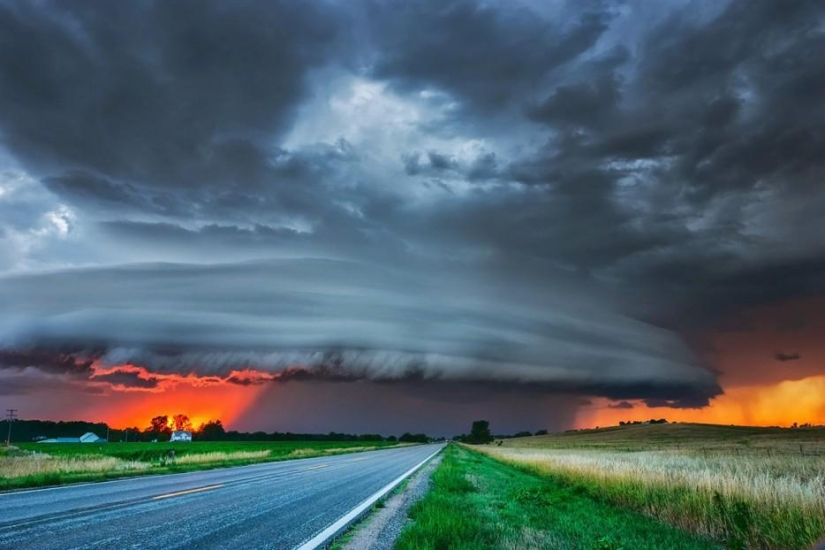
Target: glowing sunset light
[780, 404]
[200, 403]
[142, 394]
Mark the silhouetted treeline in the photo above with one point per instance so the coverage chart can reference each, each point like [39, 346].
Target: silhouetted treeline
[651, 421]
[413, 438]
[160, 430]
[480, 433]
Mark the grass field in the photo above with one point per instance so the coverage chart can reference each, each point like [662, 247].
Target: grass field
[478, 502]
[745, 487]
[37, 465]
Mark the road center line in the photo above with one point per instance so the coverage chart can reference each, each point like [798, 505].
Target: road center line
[189, 491]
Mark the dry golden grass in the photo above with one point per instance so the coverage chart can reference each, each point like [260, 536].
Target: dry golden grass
[205, 458]
[310, 452]
[767, 481]
[762, 493]
[42, 464]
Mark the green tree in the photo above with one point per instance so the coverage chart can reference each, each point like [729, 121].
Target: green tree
[479, 433]
[413, 438]
[212, 431]
[159, 426]
[182, 423]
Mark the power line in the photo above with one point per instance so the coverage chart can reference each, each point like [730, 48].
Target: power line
[11, 416]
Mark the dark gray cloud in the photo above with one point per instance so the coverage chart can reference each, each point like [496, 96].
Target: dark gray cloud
[127, 379]
[162, 109]
[484, 193]
[48, 361]
[485, 54]
[151, 93]
[783, 356]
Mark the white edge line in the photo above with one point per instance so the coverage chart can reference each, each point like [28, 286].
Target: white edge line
[324, 536]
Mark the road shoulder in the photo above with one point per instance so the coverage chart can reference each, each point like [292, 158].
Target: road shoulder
[380, 529]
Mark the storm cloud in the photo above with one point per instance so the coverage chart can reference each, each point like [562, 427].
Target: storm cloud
[335, 320]
[537, 197]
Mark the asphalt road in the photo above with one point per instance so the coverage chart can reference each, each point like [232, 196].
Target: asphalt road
[274, 505]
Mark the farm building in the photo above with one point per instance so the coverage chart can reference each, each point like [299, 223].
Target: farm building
[88, 437]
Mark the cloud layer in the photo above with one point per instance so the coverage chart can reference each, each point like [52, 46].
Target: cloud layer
[335, 320]
[543, 197]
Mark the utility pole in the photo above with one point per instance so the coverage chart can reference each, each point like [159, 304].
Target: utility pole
[11, 416]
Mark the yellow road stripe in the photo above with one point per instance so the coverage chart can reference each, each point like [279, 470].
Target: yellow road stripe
[188, 492]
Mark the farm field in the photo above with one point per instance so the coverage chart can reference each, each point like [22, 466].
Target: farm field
[740, 486]
[36, 465]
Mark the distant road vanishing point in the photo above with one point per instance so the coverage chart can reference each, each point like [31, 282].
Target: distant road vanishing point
[277, 505]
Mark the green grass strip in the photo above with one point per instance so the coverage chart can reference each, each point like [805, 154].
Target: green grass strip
[478, 503]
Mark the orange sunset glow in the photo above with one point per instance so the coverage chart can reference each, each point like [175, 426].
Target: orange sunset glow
[780, 404]
[223, 402]
[201, 398]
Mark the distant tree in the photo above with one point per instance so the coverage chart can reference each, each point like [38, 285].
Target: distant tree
[522, 434]
[392, 439]
[541, 432]
[414, 438]
[158, 427]
[182, 423]
[479, 433]
[212, 431]
[370, 437]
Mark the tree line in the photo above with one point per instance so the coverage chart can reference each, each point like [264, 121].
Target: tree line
[160, 428]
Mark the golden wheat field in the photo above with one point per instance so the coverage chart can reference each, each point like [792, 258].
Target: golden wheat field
[760, 488]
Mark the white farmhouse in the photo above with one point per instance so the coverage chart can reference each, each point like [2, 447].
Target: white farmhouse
[181, 435]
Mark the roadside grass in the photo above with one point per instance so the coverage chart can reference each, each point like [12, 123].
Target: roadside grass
[478, 502]
[38, 465]
[745, 487]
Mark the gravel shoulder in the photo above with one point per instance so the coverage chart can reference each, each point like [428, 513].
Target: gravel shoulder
[380, 529]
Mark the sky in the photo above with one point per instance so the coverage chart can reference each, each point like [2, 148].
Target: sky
[384, 216]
